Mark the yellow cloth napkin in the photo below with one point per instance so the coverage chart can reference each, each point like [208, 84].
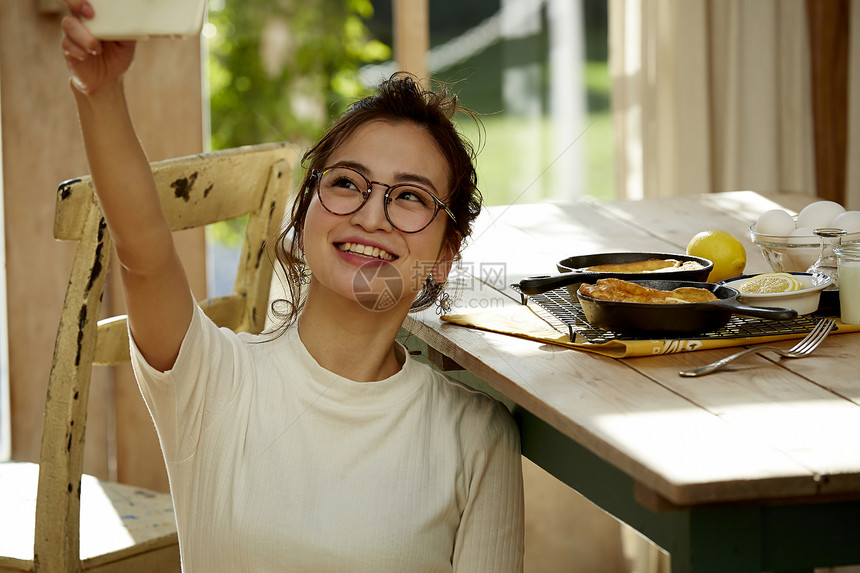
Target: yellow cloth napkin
[524, 321]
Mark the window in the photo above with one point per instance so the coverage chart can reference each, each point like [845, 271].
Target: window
[536, 71]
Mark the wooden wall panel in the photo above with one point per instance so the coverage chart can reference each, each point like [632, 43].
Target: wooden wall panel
[41, 147]
[829, 39]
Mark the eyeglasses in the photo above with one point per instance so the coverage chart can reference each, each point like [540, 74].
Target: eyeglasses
[408, 207]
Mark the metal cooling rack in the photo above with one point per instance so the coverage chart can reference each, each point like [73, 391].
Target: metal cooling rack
[563, 313]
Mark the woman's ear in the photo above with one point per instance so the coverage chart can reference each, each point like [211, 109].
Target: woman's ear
[445, 261]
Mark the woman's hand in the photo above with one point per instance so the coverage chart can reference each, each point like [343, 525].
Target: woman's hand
[91, 62]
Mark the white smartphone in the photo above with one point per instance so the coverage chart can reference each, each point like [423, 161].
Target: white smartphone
[141, 19]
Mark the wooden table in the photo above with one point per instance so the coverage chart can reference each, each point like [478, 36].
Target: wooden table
[751, 469]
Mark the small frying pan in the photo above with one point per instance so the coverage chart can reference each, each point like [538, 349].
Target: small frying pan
[680, 318]
[572, 271]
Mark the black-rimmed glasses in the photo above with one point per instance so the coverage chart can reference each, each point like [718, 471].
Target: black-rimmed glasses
[408, 207]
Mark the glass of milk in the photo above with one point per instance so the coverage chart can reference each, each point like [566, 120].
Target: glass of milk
[848, 262]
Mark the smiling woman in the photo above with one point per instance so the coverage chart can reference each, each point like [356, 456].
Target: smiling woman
[321, 445]
[364, 234]
[412, 130]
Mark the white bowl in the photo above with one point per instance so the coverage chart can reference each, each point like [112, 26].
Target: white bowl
[804, 300]
[791, 253]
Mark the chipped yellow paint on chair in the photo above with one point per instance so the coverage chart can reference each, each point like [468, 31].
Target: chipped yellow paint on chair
[85, 524]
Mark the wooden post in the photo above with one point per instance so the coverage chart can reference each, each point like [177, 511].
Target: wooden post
[412, 36]
[829, 37]
[41, 147]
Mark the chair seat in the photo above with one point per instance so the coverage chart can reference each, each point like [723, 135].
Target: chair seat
[117, 521]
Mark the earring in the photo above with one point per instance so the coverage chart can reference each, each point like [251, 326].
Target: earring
[443, 301]
[431, 292]
[302, 270]
[304, 275]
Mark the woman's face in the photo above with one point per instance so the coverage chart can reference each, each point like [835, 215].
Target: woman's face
[361, 256]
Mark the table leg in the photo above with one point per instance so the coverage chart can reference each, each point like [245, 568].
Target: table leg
[692, 540]
[740, 539]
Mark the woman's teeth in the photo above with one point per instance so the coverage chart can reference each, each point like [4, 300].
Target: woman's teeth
[366, 250]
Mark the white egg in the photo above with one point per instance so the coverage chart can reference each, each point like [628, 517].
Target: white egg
[818, 215]
[774, 222]
[800, 236]
[849, 220]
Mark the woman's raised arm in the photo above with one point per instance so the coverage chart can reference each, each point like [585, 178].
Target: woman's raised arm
[157, 295]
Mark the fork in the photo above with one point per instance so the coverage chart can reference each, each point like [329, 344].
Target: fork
[800, 350]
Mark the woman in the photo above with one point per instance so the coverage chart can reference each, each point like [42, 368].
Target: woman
[326, 448]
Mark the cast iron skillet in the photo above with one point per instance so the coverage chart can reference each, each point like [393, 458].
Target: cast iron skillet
[680, 318]
[571, 272]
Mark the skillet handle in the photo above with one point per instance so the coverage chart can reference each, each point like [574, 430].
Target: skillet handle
[772, 313]
[542, 283]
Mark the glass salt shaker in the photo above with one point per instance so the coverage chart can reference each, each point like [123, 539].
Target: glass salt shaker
[826, 263]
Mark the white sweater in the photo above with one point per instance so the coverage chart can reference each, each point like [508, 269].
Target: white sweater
[277, 464]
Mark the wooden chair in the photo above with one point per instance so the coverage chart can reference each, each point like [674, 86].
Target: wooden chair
[80, 522]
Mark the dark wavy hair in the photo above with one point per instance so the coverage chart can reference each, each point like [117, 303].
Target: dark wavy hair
[400, 98]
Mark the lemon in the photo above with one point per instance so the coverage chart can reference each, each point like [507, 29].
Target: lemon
[726, 252]
[770, 283]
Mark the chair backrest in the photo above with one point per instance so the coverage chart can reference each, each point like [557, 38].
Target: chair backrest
[195, 191]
